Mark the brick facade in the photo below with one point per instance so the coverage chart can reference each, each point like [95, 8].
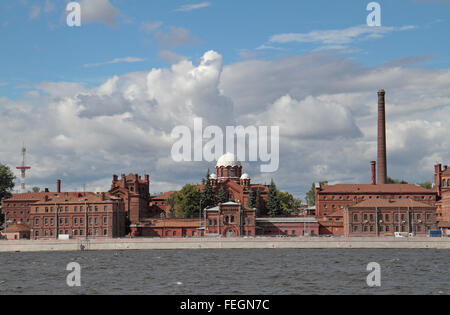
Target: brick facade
[442, 186]
[79, 216]
[378, 217]
[331, 200]
[230, 219]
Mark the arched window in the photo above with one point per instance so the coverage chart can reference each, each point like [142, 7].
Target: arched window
[448, 182]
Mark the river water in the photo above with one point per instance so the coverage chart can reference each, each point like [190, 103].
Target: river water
[227, 272]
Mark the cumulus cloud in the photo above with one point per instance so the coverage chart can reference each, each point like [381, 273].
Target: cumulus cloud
[325, 105]
[310, 118]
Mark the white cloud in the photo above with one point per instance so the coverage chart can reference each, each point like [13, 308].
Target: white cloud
[191, 7]
[114, 61]
[337, 37]
[326, 107]
[310, 118]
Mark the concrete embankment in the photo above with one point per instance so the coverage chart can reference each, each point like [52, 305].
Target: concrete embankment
[232, 243]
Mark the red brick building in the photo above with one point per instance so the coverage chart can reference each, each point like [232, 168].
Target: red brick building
[230, 219]
[17, 232]
[378, 217]
[168, 228]
[442, 186]
[17, 208]
[135, 193]
[229, 177]
[295, 226]
[77, 215]
[332, 200]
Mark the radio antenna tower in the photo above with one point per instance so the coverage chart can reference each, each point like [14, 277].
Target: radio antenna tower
[23, 169]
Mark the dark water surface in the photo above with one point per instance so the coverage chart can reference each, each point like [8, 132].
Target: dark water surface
[227, 272]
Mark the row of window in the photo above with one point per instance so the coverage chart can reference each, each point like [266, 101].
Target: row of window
[446, 183]
[387, 228]
[175, 234]
[74, 208]
[227, 219]
[68, 232]
[377, 197]
[65, 221]
[387, 217]
[229, 172]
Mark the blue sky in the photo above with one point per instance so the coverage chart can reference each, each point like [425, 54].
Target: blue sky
[42, 48]
[312, 57]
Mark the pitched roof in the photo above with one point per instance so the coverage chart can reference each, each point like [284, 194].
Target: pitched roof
[446, 171]
[163, 196]
[382, 188]
[395, 203]
[79, 198]
[14, 228]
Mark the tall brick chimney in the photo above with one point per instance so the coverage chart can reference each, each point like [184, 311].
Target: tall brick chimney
[373, 167]
[382, 164]
[58, 186]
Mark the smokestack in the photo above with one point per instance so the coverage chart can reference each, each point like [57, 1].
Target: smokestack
[373, 167]
[58, 186]
[382, 164]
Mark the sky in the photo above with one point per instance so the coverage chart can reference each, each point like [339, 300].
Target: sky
[103, 98]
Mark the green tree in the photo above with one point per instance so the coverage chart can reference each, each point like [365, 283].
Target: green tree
[396, 181]
[209, 196]
[273, 205]
[188, 202]
[251, 201]
[36, 189]
[6, 186]
[258, 199]
[311, 196]
[6, 182]
[222, 198]
[171, 201]
[426, 185]
[289, 204]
